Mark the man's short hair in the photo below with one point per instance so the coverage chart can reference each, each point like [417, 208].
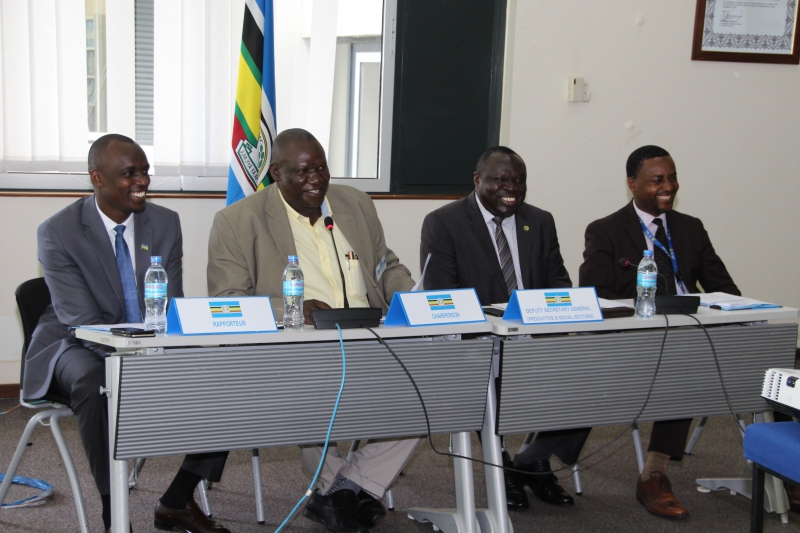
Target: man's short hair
[489, 152]
[99, 146]
[640, 155]
[290, 136]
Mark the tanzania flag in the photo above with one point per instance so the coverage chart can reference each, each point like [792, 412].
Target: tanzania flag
[557, 299]
[230, 309]
[437, 302]
[254, 114]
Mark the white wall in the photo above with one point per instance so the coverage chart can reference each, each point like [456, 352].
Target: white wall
[731, 128]
[21, 216]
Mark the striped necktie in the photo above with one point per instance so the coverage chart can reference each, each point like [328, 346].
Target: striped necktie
[506, 262]
[133, 313]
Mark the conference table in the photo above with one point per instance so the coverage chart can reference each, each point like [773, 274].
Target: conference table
[562, 376]
[176, 394]
[278, 389]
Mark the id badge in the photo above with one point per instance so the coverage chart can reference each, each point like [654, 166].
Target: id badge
[380, 268]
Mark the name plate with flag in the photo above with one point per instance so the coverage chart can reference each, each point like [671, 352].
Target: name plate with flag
[554, 306]
[428, 308]
[238, 314]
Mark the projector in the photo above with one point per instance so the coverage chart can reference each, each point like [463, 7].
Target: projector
[782, 390]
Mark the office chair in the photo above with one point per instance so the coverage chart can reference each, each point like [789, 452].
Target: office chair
[33, 297]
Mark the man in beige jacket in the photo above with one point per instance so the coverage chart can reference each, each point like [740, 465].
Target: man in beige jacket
[247, 253]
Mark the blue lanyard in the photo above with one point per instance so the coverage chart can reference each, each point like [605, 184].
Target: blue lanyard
[670, 253]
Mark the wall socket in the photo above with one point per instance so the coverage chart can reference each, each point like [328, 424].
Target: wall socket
[578, 90]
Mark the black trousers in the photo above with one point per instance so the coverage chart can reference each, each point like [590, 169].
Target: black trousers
[566, 444]
[79, 373]
[669, 437]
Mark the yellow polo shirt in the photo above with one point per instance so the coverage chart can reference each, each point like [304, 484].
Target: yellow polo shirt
[317, 260]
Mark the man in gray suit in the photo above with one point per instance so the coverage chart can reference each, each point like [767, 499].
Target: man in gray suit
[247, 251]
[495, 243]
[94, 255]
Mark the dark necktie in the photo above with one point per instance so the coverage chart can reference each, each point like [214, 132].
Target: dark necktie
[666, 285]
[133, 313]
[506, 262]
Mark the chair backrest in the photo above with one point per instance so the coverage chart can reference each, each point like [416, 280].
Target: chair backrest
[33, 297]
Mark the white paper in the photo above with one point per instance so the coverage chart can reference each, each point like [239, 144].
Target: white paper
[729, 302]
[610, 304]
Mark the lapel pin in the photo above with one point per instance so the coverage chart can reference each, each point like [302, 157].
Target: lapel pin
[526, 228]
[145, 247]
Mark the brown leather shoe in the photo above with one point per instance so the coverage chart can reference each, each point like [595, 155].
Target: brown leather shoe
[657, 497]
[190, 519]
[793, 492]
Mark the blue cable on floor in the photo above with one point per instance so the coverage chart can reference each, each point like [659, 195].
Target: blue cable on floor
[327, 437]
[39, 499]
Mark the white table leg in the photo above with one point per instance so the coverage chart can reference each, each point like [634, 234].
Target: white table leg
[462, 519]
[120, 504]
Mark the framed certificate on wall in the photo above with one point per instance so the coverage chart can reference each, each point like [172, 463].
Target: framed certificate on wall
[751, 31]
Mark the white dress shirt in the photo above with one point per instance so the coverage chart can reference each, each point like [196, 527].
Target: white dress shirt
[128, 234]
[510, 229]
[648, 219]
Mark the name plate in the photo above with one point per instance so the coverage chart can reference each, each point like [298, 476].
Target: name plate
[554, 306]
[238, 314]
[428, 308]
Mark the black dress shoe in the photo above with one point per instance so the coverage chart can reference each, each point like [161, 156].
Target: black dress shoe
[190, 519]
[544, 484]
[336, 511]
[369, 511]
[515, 490]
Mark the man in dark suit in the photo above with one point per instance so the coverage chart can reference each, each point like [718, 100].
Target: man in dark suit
[685, 257]
[94, 255]
[493, 242]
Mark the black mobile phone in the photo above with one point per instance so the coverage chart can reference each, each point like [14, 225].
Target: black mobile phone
[133, 332]
[493, 311]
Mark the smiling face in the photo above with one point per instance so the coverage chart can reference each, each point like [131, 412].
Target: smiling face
[500, 184]
[301, 173]
[120, 180]
[655, 185]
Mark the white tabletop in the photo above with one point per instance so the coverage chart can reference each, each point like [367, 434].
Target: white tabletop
[309, 334]
[704, 314]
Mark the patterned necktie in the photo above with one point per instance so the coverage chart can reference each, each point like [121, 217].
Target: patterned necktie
[506, 262]
[666, 285]
[133, 313]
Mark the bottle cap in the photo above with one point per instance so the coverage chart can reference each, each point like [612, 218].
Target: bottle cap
[155, 259]
[293, 259]
[648, 253]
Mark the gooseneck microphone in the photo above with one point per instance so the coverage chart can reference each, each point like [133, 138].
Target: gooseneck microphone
[624, 263]
[329, 225]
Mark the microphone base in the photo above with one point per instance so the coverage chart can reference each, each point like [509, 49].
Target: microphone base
[676, 305]
[355, 317]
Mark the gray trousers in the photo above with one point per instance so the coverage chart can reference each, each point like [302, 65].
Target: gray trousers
[79, 373]
[374, 467]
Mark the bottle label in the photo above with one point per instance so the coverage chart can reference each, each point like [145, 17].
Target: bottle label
[293, 287]
[646, 279]
[155, 290]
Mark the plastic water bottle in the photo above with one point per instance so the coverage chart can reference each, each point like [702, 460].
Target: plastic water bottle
[646, 280]
[293, 319]
[155, 296]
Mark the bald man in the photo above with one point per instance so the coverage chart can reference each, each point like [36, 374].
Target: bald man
[247, 253]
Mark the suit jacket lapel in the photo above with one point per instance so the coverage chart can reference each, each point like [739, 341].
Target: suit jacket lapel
[479, 228]
[634, 229]
[95, 232]
[143, 232]
[278, 222]
[528, 250]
